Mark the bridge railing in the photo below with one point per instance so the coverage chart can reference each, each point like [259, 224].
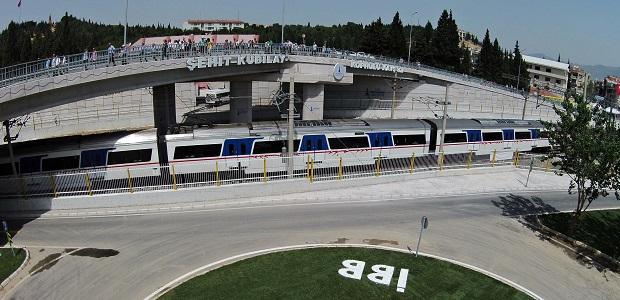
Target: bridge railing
[65, 64]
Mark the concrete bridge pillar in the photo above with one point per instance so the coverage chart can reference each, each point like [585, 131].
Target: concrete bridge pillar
[240, 102]
[164, 113]
[313, 101]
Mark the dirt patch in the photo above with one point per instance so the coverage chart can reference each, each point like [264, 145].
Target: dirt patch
[340, 241]
[95, 253]
[380, 242]
[46, 263]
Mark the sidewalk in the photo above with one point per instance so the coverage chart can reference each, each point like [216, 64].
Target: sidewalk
[423, 185]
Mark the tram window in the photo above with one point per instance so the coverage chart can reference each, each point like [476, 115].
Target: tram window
[268, 147]
[6, 169]
[197, 151]
[452, 138]
[128, 157]
[244, 149]
[60, 163]
[348, 142]
[414, 139]
[30, 164]
[522, 135]
[492, 136]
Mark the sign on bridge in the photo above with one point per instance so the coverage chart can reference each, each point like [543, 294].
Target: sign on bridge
[204, 62]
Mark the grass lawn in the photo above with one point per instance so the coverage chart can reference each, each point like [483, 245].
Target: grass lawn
[10, 263]
[599, 229]
[313, 274]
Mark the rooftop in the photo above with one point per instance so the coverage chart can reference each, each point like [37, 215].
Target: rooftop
[214, 21]
[545, 62]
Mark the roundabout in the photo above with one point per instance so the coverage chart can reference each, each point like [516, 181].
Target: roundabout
[340, 272]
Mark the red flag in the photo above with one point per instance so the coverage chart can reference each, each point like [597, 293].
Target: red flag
[19, 3]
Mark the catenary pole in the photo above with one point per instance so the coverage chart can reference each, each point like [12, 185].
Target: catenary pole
[282, 37]
[8, 140]
[444, 118]
[291, 126]
[410, 37]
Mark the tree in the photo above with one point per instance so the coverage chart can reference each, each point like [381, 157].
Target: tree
[519, 69]
[465, 66]
[585, 145]
[485, 66]
[559, 57]
[374, 38]
[424, 50]
[396, 38]
[446, 42]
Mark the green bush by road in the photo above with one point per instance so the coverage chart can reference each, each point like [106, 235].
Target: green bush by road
[599, 229]
[313, 274]
[10, 263]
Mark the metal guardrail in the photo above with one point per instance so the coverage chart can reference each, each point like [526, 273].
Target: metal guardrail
[239, 171]
[66, 64]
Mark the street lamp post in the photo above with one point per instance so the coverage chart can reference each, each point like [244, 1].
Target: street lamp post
[125, 30]
[410, 37]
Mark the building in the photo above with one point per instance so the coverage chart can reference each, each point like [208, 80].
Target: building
[547, 74]
[211, 25]
[578, 79]
[611, 90]
[215, 38]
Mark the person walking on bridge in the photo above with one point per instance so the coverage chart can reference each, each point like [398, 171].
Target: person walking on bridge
[111, 51]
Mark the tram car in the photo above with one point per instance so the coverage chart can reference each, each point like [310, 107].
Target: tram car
[233, 150]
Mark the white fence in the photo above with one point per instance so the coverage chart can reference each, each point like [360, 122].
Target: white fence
[239, 171]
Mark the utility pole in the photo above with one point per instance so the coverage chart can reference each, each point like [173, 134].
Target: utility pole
[524, 105]
[445, 117]
[283, 5]
[125, 30]
[8, 139]
[410, 37]
[393, 109]
[291, 126]
[585, 88]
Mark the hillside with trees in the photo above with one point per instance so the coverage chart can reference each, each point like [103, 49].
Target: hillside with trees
[438, 46]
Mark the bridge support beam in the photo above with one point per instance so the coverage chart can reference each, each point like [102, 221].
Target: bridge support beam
[313, 101]
[164, 113]
[240, 102]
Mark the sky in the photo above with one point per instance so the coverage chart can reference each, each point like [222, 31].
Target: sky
[583, 31]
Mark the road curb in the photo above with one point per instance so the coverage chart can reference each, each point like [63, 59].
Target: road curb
[6, 281]
[233, 259]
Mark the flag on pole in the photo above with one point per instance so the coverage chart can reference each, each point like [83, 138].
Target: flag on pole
[19, 3]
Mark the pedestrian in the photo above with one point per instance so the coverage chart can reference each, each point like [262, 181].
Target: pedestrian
[164, 50]
[143, 51]
[93, 57]
[209, 46]
[85, 59]
[124, 50]
[314, 48]
[111, 52]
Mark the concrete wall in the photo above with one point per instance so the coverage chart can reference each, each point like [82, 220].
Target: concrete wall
[371, 97]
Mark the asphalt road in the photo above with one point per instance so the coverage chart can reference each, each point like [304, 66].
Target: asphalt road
[155, 249]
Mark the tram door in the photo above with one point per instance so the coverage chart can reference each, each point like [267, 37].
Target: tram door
[509, 139]
[474, 138]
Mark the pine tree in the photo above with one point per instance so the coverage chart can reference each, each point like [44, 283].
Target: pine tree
[396, 38]
[486, 62]
[465, 66]
[559, 58]
[446, 42]
[424, 49]
[519, 68]
[374, 38]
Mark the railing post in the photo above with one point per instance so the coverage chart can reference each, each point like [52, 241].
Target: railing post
[517, 158]
[494, 156]
[311, 170]
[308, 168]
[88, 187]
[378, 167]
[412, 164]
[547, 165]
[265, 169]
[470, 159]
[217, 173]
[340, 173]
[441, 157]
[174, 177]
[54, 190]
[129, 182]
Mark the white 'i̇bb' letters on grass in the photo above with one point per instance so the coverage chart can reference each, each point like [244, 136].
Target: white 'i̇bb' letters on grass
[382, 274]
[353, 269]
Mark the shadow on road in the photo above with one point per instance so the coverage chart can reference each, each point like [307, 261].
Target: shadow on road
[526, 209]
